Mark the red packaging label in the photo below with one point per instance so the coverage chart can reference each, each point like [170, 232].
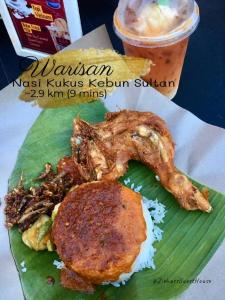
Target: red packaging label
[40, 24]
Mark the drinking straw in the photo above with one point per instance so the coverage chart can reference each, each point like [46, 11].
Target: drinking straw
[163, 2]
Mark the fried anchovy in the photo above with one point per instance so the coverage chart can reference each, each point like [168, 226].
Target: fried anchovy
[24, 206]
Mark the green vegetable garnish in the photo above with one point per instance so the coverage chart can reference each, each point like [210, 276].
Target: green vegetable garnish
[55, 211]
[50, 246]
[43, 230]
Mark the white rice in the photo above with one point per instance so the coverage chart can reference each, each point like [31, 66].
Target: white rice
[22, 264]
[58, 264]
[157, 178]
[138, 188]
[23, 267]
[24, 270]
[153, 232]
[126, 181]
[157, 210]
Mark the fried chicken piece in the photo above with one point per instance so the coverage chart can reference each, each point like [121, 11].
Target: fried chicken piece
[102, 151]
[67, 166]
[95, 235]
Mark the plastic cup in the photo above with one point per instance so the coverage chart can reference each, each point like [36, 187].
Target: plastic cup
[165, 46]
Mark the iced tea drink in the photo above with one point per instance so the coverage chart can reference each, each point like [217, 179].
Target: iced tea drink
[159, 32]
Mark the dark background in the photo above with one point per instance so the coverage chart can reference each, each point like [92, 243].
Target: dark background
[201, 89]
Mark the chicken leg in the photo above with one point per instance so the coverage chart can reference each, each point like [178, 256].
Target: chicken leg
[102, 151]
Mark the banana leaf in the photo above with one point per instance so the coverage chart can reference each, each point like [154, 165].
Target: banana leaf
[189, 240]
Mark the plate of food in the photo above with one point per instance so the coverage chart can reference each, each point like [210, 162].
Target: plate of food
[96, 208]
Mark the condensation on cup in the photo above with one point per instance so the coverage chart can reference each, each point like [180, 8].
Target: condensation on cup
[59, 33]
[158, 30]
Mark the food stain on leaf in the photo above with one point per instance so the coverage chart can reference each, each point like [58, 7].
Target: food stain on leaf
[79, 76]
[50, 280]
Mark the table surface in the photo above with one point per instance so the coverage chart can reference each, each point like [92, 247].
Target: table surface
[201, 88]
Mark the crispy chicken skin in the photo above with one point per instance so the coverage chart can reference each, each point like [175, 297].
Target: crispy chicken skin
[95, 233]
[66, 166]
[102, 151]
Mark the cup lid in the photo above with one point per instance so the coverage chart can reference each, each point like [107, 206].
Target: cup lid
[152, 23]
